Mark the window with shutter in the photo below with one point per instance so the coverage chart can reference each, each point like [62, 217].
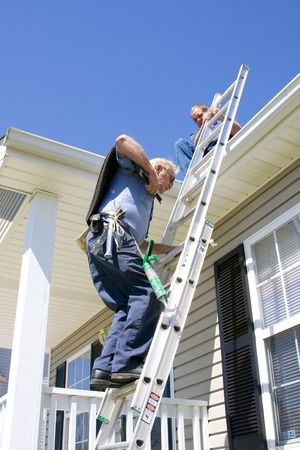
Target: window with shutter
[242, 396]
[273, 260]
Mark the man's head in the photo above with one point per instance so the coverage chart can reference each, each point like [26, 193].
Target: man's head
[165, 171]
[197, 113]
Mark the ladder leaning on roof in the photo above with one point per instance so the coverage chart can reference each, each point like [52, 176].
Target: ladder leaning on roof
[148, 391]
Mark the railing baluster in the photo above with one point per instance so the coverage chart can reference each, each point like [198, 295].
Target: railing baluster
[72, 423]
[204, 427]
[52, 422]
[164, 427]
[180, 430]
[92, 423]
[129, 421]
[196, 428]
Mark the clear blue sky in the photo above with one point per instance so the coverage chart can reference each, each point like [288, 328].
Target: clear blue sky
[83, 71]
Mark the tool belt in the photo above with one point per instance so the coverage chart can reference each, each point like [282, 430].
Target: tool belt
[108, 224]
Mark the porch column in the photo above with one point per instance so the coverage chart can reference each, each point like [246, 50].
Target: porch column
[27, 359]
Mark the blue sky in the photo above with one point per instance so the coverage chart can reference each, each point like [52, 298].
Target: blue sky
[82, 72]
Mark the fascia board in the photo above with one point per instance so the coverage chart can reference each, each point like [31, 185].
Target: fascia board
[34, 145]
[271, 116]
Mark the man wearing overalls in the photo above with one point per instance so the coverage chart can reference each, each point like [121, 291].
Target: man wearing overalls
[119, 218]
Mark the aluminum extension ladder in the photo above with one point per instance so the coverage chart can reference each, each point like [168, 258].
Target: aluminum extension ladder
[148, 391]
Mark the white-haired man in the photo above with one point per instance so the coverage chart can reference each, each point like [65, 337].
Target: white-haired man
[119, 218]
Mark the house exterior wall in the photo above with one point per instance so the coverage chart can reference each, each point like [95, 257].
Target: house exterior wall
[198, 364]
[78, 340]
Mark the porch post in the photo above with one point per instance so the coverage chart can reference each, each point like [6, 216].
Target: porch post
[27, 359]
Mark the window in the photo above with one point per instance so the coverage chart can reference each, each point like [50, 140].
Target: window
[273, 263]
[285, 363]
[78, 372]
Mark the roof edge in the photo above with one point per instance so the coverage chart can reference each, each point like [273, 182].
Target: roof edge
[42, 147]
[275, 111]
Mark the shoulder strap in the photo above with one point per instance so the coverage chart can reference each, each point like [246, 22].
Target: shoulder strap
[108, 168]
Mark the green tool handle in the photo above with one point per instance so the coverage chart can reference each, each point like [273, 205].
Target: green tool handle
[152, 276]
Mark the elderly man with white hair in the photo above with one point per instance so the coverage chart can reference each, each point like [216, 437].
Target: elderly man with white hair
[119, 218]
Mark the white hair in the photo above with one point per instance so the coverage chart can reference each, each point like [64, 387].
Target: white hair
[169, 165]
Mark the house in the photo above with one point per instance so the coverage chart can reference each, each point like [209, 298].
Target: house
[239, 353]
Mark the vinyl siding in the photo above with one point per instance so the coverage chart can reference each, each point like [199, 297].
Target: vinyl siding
[83, 337]
[197, 366]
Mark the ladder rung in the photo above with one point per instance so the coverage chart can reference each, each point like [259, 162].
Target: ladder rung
[123, 391]
[206, 141]
[227, 92]
[165, 259]
[191, 193]
[203, 164]
[116, 446]
[183, 219]
[219, 114]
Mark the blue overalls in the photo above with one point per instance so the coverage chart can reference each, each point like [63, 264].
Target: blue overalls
[121, 281]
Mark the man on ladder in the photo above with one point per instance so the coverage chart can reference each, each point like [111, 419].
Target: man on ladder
[119, 218]
[185, 148]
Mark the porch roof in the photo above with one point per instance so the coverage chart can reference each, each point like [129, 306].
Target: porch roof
[264, 147]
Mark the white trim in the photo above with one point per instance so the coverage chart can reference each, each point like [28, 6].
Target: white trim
[294, 446]
[272, 225]
[78, 353]
[277, 328]
[260, 333]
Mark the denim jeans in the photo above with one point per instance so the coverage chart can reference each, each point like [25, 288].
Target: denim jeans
[184, 150]
[125, 289]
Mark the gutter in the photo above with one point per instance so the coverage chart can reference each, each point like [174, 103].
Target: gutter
[281, 106]
[41, 147]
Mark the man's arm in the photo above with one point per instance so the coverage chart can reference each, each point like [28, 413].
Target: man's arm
[235, 128]
[209, 114]
[127, 146]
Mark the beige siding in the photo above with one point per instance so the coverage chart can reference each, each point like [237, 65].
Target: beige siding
[83, 337]
[197, 366]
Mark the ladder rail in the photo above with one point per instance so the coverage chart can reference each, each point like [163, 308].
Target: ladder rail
[157, 371]
[182, 286]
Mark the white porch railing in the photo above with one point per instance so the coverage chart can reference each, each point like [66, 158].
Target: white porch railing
[188, 429]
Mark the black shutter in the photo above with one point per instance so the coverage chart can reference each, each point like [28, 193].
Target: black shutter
[60, 381]
[241, 386]
[96, 349]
